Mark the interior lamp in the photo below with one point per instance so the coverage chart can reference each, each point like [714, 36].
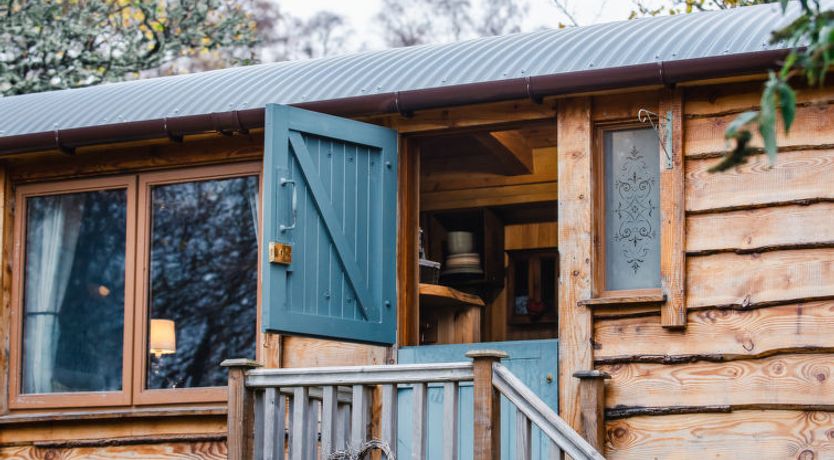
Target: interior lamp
[163, 340]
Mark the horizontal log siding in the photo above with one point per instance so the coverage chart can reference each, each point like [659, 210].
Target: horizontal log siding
[751, 376]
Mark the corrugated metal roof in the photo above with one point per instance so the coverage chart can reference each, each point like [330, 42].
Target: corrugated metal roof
[546, 52]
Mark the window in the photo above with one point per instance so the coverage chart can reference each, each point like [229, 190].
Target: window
[629, 207]
[111, 316]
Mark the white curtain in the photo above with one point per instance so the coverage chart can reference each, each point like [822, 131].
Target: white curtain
[252, 192]
[53, 225]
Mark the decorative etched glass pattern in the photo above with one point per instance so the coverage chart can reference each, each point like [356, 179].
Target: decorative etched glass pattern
[632, 216]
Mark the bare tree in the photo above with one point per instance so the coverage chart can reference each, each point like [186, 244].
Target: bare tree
[501, 17]
[416, 22]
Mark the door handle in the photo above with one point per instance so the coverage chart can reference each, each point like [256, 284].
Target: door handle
[293, 204]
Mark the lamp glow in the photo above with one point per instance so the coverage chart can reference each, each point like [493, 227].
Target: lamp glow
[163, 340]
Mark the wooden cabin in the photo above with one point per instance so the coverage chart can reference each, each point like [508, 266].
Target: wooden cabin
[371, 219]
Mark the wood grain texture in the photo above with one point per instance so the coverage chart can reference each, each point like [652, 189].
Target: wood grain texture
[488, 196]
[744, 280]
[760, 435]
[531, 236]
[78, 430]
[575, 225]
[705, 136]
[793, 380]
[308, 352]
[408, 222]
[211, 149]
[509, 149]
[723, 98]
[444, 170]
[466, 116]
[169, 451]
[622, 107]
[672, 217]
[6, 232]
[761, 229]
[796, 177]
[718, 334]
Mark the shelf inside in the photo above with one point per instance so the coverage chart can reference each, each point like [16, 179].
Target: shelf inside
[435, 295]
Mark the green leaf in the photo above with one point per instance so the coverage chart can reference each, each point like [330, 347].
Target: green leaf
[767, 117]
[787, 104]
[740, 121]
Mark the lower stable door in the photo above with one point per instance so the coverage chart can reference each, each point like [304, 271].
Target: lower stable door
[533, 361]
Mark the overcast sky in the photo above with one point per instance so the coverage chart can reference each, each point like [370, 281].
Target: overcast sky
[542, 13]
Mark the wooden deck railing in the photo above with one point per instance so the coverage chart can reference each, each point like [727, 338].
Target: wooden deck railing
[325, 413]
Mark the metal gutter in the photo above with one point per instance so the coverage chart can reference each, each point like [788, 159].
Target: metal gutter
[407, 102]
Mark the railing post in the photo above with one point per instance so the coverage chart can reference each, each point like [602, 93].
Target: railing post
[487, 433]
[592, 406]
[240, 419]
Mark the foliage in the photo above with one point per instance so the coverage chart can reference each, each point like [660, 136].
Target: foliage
[46, 45]
[689, 6]
[811, 38]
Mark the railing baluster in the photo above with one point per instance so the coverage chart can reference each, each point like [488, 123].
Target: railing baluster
[272, 421]
[280, 423]
[312, 427]
[523, 443]
[329, 419]
[359, 416]
[389, 417]
[450, 421]
[298, 446]
[343, 426]
[418, 425]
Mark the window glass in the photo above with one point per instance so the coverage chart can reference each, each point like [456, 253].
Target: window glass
[203, 280]
[74, 287]
[632, 217]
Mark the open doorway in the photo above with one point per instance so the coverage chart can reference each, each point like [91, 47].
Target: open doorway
[489, 249]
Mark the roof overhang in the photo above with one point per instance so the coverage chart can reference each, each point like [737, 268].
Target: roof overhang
[407, 102]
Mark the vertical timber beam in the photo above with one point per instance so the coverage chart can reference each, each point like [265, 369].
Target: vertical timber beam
[408, 206]
[6, 218]
[240, 422]
[574, 134]
[487, 413]
[592, 404]
[672, 212]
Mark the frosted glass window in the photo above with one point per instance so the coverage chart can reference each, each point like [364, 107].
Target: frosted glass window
[74, 292]
[632, 215]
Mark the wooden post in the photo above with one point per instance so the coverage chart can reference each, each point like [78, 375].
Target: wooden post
[240, 421]
[487, 433]
[592, 406]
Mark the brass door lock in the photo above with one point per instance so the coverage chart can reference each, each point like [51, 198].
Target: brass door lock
[280, 253]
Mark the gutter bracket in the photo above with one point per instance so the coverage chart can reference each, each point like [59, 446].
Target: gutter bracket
[663, 130]
[178, 138]
[66, 150]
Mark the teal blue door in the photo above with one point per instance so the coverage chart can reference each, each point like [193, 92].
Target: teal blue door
[330, 212]
[533, 361]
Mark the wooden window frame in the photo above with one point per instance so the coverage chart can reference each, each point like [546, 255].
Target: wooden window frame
[20, 400]
[142, 395]
[601, 293]
[672, 232]
[137, 258]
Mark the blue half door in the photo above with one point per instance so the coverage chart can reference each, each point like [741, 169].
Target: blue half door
[533, 361]
[329, 227]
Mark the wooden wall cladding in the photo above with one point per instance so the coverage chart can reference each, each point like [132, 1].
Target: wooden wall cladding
[745, 434]
[211, 450]
[751, 376]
